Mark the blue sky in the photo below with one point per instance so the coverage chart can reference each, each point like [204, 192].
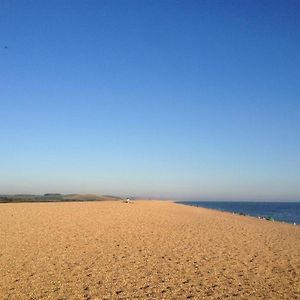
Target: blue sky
[172, 99]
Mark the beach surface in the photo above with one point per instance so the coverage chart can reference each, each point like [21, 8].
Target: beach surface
[144, 250]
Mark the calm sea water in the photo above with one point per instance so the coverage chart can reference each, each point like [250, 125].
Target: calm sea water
[279, 211]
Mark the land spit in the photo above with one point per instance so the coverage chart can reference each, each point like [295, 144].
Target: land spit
[145, 250]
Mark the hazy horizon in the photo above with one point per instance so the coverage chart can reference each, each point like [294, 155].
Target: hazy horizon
[160, 99]
[241, 198]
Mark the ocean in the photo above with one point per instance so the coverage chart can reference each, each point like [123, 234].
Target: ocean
[279, 211]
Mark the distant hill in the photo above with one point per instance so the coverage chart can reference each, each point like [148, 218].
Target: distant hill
[111, 196]
[53, 195]
[89, 197]
[56, 197]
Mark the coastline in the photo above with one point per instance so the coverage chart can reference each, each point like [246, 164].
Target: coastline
[147, 249]
[263, 216]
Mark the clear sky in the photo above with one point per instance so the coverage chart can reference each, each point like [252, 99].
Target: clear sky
[173, 99]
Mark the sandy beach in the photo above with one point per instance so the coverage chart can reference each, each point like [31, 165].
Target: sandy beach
[144, 250]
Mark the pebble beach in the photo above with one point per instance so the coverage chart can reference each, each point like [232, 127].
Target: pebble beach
[144, 250]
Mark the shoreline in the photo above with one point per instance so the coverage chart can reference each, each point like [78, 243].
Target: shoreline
[261, 217]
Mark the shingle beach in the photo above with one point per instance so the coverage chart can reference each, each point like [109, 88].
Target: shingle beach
[143, 250]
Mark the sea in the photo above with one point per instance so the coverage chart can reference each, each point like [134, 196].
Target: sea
[288, 212]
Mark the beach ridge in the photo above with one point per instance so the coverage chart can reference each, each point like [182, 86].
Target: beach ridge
[145, 249]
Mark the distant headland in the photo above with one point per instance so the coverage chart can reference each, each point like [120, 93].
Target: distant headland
[56, 197]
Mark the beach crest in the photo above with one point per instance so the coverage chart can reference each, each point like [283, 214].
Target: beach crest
[147, 250]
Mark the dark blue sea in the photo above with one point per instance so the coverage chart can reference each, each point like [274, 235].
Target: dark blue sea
[279, 211]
